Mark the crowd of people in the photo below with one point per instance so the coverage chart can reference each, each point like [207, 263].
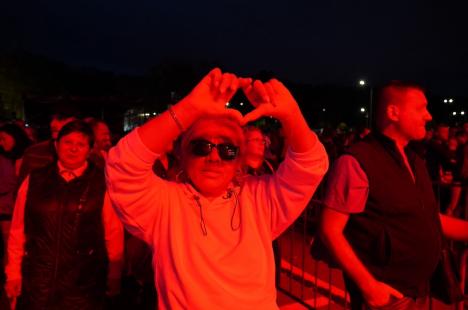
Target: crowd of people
[184, 211]
[444, 150]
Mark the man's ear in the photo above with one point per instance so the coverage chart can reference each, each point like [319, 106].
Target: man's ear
[393, 112]
[55, 145]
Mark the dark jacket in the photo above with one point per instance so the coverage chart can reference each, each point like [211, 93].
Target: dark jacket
[398, 236]
[65, 260]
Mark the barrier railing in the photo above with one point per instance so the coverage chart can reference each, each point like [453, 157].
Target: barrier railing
[308, 281]
[313, 283]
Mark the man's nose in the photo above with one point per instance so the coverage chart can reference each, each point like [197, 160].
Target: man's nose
[214, 155]
[428, 116]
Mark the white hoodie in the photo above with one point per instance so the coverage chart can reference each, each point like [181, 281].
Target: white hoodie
[232, 265]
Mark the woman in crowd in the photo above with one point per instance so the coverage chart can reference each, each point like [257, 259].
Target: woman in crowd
[65, 238]
[13, 142]
[255, 148]
[212, 232]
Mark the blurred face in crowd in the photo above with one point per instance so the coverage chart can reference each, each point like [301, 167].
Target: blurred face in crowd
[408, 113]
[254, 147]
[452, 144]
[364, 132]
[429, 134]
[7, 142]
[56, 125]
[211, 155]
[102, 137]
[462, 138]
[442, 133]
[73, 150]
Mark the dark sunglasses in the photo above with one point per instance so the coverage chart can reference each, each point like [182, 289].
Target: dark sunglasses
[202, 147]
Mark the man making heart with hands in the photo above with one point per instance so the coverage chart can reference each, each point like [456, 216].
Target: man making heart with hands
[212, 231]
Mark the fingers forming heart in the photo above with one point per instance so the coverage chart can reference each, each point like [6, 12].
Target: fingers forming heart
[268, 99]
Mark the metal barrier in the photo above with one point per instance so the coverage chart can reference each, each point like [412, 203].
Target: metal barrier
[448, 196]
[308, 281]
[313, 283]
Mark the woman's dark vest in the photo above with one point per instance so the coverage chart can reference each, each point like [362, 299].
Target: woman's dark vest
[65, 262]
[398, 236]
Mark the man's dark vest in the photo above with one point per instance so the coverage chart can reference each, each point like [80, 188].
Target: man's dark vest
[65, 260]
[398, 236]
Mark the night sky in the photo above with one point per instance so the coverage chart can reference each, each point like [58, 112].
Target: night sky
[317, 42]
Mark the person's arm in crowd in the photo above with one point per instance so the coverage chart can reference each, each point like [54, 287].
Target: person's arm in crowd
[347, 191]
[16, 242]
[208, 97]
[114, 237]
[291, 187]
[332, 225]
[453, 228]
[18, 163]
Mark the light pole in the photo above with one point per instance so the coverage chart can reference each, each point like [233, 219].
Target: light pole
[363, 83]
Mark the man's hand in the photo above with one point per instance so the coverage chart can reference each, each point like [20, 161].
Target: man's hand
[13, 290]
[213, 92]
[269, 99]
[378, 294]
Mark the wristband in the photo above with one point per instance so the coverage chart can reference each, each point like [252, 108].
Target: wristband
[174, 117]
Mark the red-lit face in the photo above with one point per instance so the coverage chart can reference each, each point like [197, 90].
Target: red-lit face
[442, 133]
[413, 115]
[73, 150]
[102, 137]
[452, 144]
[57, 124]
[7, 142]
[254, 144]
[210, 174]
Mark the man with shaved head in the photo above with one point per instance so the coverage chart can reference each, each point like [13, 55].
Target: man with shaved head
[381, 220]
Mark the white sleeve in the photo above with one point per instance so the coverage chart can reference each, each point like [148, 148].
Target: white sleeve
[283, 196]
[16, 237]
[137, 194]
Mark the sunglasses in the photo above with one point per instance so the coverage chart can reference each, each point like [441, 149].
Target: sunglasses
[202, 148]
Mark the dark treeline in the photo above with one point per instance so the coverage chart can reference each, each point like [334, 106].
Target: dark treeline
[31, 86]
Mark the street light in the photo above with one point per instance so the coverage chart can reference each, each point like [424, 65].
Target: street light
[363, 83]
[363, 110]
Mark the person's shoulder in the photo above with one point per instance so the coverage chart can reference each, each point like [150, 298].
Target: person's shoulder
[346, 162]
[358, 148]
[40, 147]
[368, 147]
